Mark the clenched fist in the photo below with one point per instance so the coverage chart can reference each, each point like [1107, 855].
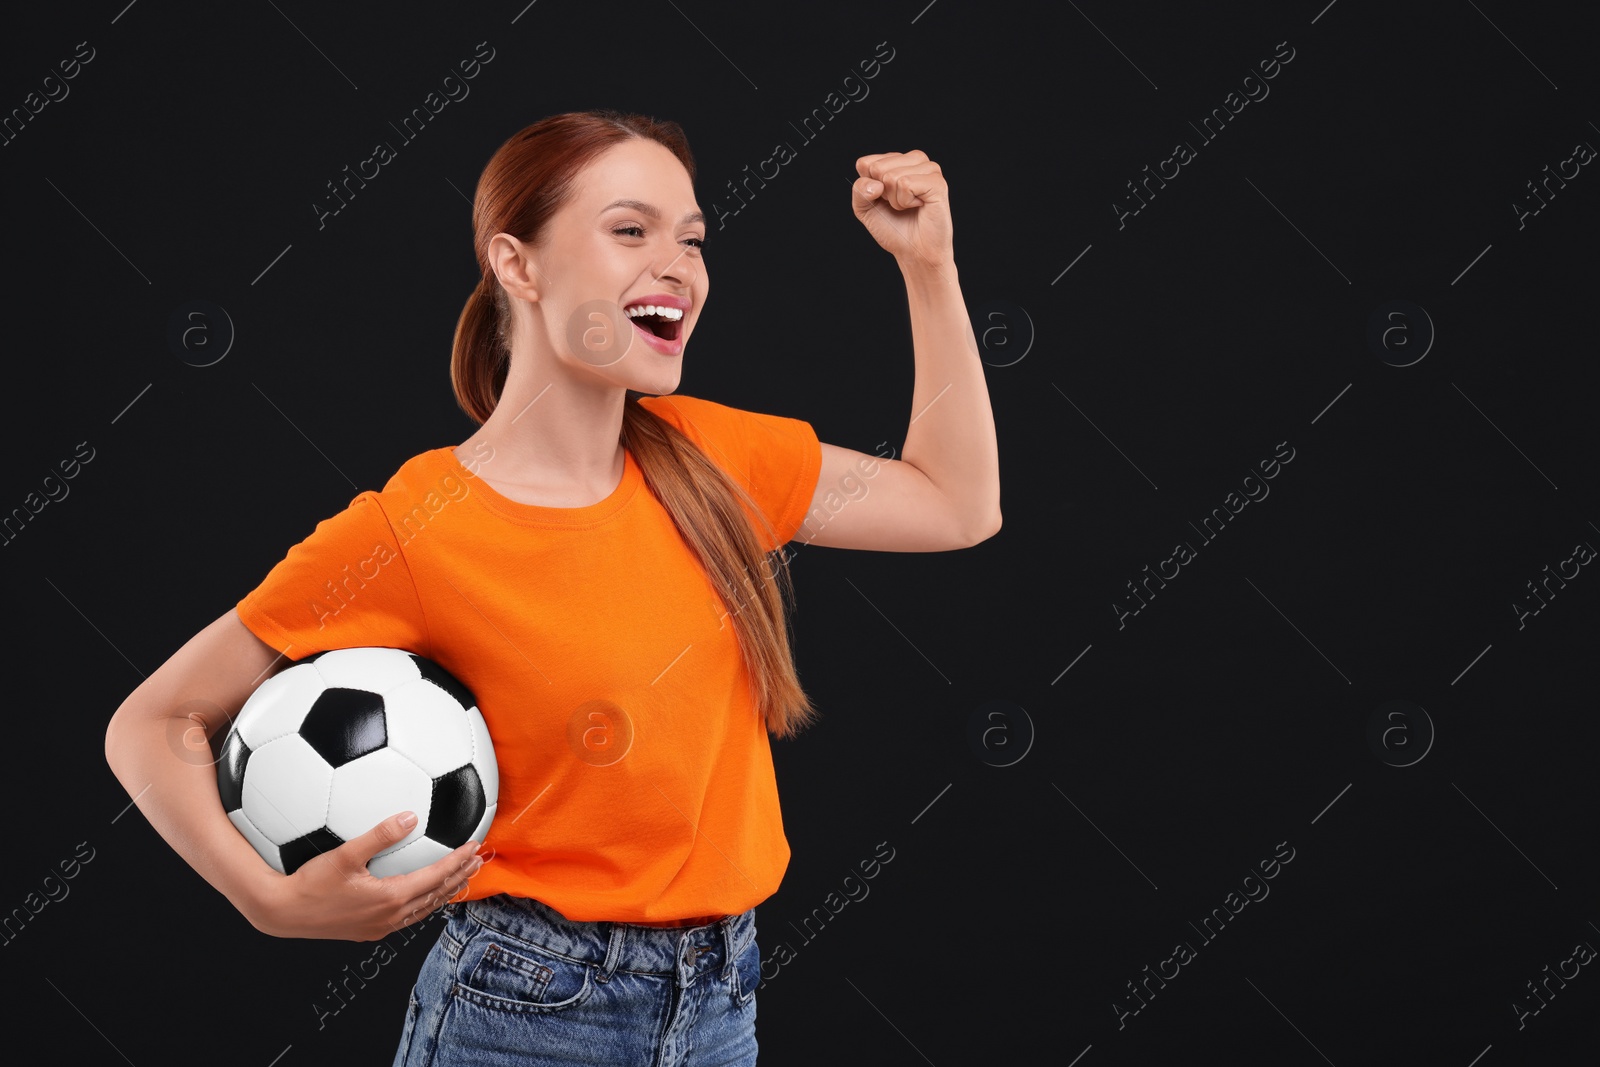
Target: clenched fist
[904, 202]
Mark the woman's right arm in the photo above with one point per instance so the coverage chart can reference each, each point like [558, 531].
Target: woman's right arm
[159, 745]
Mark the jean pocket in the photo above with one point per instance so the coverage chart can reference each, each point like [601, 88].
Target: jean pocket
[511, 975]
[746, 973]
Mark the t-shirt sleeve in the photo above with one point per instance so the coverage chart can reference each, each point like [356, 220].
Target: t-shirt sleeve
[775, 459]
[345, 586]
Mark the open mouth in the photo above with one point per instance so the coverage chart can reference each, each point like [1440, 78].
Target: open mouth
[663, 322]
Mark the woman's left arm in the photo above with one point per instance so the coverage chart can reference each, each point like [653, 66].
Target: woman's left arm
[945, 491]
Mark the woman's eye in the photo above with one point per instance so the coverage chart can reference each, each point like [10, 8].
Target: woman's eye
[638, 231]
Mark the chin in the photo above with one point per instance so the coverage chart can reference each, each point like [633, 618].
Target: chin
[666, 384]
[657, 384]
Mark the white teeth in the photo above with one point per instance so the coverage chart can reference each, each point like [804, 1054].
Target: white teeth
[640, 310]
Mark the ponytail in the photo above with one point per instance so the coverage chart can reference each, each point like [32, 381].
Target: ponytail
[704, 504]
[481, 356]
[526, 181]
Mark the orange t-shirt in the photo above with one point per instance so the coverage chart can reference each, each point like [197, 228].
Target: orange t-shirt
[576, 628]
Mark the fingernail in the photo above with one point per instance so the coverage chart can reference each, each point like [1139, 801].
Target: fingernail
[408, 820]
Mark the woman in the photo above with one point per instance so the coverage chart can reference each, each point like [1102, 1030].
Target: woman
[602, 563]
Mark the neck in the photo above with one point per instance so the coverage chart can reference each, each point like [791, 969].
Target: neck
[556, 433]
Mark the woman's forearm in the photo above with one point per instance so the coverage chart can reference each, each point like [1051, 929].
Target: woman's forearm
[178, 794]
[951, 437]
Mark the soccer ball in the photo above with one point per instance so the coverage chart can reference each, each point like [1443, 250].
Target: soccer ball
[325, 750]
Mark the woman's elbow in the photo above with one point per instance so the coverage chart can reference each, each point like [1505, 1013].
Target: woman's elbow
[985, 531]
[116, 741]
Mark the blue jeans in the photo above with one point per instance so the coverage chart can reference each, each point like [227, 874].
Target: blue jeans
[513, 981]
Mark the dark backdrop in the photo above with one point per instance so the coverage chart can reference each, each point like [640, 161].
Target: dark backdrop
[1349, 684]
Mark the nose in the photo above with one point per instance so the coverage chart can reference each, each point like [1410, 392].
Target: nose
[678, 268]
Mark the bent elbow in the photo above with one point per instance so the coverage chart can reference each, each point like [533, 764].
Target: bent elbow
[984, 532]
[121, 741]
[113, 742]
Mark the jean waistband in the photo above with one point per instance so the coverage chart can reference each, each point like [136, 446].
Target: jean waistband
[614, 945]
[700, 920]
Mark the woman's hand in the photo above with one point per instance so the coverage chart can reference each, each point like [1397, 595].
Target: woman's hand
[903, 201]
[334, 895]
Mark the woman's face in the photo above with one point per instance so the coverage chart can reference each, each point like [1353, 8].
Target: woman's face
[630, 235]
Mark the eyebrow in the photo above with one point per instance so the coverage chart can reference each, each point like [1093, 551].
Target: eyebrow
[649, 209]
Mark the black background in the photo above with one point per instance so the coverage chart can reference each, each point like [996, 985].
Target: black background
[1231, 314]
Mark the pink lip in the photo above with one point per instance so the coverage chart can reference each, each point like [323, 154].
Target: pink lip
[660, 344]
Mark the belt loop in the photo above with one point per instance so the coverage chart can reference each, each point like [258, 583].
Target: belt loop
[613, 953]
[727, 947]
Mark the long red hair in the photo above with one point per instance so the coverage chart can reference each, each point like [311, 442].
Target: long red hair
[526, 181]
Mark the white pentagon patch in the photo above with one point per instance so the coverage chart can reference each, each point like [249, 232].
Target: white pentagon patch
[429, 727]
[369, 790]
[377, 670]
[267, 849]
[278, 705]
[286, 789]
[407, 857]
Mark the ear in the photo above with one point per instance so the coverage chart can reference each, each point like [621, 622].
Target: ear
[513, 263]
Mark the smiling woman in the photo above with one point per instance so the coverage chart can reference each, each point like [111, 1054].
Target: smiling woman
[574, 577]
